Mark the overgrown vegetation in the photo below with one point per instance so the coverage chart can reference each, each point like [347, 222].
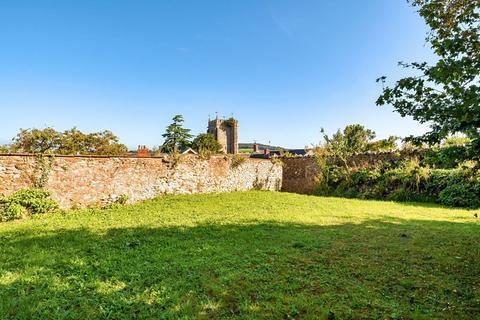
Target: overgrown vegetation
[26, 202]
[217, 256]
[443, 174]
[406, 181]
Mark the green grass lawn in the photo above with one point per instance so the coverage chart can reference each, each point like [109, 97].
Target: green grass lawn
[247, 255]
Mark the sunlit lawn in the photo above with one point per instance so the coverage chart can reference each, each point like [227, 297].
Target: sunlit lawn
[247, 255]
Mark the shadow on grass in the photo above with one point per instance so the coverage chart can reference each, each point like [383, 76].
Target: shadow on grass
[431, 205]
[408, 203]
[377, 269]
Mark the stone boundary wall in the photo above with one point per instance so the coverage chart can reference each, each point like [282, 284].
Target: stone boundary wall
[89, 181]
[299, 175]
[363, 160]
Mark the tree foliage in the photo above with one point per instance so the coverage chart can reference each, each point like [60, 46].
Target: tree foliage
[206, 143]
[176, 136]
[383, 145]
[446, 93]
[105, 143]
[5, 149]
[69, 142]
[456, 142]
[355, 138]
[36, 141]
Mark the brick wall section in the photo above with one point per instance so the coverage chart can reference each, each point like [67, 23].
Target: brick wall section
[88, 181]
[299, 175]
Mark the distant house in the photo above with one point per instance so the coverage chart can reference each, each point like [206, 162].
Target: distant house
[188, 151]
[143, 152]
[266, 153]
[295, 152]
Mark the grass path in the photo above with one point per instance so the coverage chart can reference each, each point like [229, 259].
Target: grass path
[243, 255]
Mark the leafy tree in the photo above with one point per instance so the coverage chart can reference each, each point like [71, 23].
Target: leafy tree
[356, 138]
[36, 141]
[69, 142]
[206, 143]
[5, 148]
[176, 136]
[105, 143]
[445, 93]
[384, 145]
[74, 141]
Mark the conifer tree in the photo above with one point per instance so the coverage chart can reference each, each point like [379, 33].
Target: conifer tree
[176, 136]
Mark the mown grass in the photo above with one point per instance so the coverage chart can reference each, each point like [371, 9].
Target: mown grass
[247, 255]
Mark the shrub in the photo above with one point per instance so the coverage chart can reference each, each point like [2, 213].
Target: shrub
[11, 211]
[36, 201]
[458, 187]
[365, 182]
[26, 202]
[461, 195]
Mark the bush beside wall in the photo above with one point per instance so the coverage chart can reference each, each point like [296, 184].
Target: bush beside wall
[26, 202]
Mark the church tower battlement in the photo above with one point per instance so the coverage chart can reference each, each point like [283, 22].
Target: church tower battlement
[225, 132]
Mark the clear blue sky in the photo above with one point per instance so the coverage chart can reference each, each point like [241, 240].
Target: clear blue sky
[284, 68]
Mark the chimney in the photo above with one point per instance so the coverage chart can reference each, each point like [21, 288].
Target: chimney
[142, 152]
[256, 148]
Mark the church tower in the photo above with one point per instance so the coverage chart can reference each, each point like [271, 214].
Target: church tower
[226, 133]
